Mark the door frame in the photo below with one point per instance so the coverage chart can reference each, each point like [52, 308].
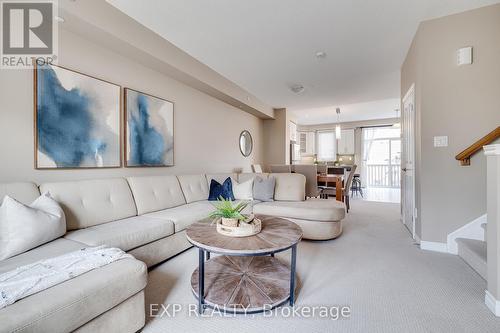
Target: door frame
[409, 93]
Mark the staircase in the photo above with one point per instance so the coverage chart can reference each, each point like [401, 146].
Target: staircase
[473, 252]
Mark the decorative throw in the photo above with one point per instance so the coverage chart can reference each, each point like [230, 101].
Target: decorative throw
[244, 190]
[218, 190]
[30, 279]
[263, 189]
[24, 227]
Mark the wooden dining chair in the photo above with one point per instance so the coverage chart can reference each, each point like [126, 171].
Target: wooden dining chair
[256, 168]
[281, 168]
[311, 174]
[347, 187]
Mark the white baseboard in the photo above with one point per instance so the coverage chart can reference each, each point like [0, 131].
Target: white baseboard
[471, 230]
[492, 303]
[434, 246]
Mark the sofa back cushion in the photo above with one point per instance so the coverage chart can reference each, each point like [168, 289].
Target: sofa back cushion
[152, 194]
[194, 187]
[91, 202]
[289, 186]
[25, 192]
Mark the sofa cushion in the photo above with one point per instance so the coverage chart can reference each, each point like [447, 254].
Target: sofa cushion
[91, 202]
[243, 190]
[185, 215]
[53, 249]
[156, 193]
[126, 234]
[23, 227]
[25, 193]
[69, 305]
[311, 209]
[194, 187]
[263, 188]
[289, 186]
[218, 190]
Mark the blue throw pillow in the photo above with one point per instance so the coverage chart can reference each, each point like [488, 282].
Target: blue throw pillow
[217, 190]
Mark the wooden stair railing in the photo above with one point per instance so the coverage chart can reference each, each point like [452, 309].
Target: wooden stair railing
[464, 156]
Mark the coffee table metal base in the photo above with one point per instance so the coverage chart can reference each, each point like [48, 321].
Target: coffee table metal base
[243, 284]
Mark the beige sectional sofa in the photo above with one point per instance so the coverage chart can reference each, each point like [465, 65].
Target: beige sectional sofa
[146, 217]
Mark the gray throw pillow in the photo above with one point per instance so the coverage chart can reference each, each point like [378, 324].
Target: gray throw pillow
[263, 189]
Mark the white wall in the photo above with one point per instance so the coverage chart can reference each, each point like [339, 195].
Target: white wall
[206, 129]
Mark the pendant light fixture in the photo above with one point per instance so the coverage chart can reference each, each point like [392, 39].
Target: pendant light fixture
[338, 130]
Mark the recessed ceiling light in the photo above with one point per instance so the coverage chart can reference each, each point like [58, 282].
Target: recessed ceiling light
[297, 88]
[59, 19]
[321, 55]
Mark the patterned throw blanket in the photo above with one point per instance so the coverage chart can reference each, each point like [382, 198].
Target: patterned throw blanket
[30, 279]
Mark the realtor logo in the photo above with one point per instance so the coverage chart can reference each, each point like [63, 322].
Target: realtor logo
[29, 33]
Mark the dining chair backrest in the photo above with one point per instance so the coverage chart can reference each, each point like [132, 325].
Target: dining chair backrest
[348, 183]
[322, 168]
[281, 168]
[311, 174]
[256, 168]
[336, 171]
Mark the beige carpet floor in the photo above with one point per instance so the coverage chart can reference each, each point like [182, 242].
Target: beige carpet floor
[374, 268]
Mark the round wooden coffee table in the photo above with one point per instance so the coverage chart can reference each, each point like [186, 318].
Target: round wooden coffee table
[246, 278]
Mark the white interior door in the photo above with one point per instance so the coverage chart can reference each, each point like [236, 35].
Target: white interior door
[408, 160]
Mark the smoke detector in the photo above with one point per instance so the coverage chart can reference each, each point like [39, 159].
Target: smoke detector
[297, 88]
[321, 55]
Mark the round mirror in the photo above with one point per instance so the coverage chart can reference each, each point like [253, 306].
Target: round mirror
[246, 143]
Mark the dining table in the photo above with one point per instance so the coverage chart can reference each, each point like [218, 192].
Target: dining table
[330, 179]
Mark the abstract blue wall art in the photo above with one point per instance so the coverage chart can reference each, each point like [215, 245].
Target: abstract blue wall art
[77, 120]
[149, 130]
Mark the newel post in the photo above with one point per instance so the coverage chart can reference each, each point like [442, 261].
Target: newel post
[492, 297]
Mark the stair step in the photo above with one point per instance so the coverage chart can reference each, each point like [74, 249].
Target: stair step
[473, 252]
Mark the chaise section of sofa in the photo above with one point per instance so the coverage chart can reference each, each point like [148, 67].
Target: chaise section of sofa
[319, 219]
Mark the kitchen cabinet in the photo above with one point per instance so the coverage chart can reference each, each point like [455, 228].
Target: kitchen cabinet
[307, 142]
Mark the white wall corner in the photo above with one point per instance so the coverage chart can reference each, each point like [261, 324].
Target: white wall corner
[434, 246]
[492, 149]
[492, 303]
[471, 230]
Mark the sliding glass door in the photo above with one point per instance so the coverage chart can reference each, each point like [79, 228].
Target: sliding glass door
[382, 157]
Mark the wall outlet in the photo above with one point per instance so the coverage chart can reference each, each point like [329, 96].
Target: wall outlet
[440, 141]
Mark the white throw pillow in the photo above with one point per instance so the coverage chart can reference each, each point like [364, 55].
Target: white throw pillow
[25, 227]
[243, 191]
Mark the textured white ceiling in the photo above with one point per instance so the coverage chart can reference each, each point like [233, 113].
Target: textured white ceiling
[265, 46]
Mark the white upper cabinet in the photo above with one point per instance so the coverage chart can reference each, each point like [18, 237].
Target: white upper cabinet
[307, 143]
[345, 145]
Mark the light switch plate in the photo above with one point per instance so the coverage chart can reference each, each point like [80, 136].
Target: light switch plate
[440, 141]
[464, 56]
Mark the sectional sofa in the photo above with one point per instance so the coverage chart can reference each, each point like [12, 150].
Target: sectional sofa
[146, 217]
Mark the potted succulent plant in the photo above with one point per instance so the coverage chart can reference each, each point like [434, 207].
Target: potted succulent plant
[230, 215]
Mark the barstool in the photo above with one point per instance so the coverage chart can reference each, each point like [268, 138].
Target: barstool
[356, 185]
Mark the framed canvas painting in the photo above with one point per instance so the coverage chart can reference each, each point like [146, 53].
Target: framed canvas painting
[77, 120]
[149, 130]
